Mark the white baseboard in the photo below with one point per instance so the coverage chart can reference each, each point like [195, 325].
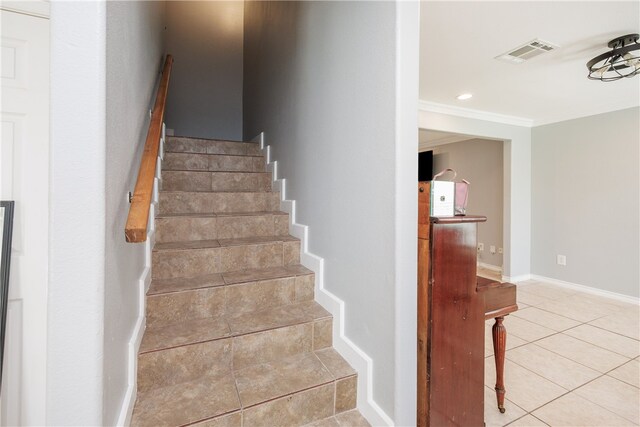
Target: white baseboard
[516, 279]
[490, 267]
[357, 358]
[587, 289]
[144, 281]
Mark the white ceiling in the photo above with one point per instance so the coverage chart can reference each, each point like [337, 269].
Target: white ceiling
[460, 39]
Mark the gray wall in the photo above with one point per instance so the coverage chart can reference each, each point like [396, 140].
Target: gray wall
[585, 186]
[320, 81]
[205, 95]
[134, 56]
[479, 161]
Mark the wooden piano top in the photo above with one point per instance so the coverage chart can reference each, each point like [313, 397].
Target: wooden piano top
[499, 297]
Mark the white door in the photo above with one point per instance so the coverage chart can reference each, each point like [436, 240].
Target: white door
[24, 177]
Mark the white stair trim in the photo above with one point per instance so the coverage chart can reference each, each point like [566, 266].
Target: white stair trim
[144, 281]
[357, 358]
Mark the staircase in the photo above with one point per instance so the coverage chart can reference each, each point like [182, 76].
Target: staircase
[234, 336]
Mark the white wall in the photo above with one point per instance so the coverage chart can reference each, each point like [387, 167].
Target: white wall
[134, 59]
[517, 182]
[206, 41]
[585, 203]
[105, 59]
[479, 161]
[77, 214]
[334, 87]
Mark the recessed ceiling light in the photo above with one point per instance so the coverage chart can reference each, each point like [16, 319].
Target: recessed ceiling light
[464, 96]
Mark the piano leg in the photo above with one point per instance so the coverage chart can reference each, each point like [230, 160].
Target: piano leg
[499, 348]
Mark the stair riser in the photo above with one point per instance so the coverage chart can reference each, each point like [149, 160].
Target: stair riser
[185, 363]
[203, 146]
[196, 262]
[295, 410]
[216, 181]
[171, 366]
[209, 162]
[303, 407]
[177, 229]
[182, 202]
[164, 309]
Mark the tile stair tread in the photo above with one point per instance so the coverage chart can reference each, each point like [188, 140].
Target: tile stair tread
[213, 328]
[211, 191]
[213, 154]
[271, 380]
[352, 418]
[213, 396]
[163, 286]
[169, 148]
[172, 137]
[221, 243]
[187, 402]
[215, 171]
[212, 171]
[210, 397]
[219, 214]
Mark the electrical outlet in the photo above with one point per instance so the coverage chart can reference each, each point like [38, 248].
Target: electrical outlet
[561, 260]
[499, 250]
[492, 249]
[480, 247]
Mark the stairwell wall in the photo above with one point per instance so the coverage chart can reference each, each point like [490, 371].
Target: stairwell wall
[134, 57]
[75, 290]
[205, 95]
[322, 82]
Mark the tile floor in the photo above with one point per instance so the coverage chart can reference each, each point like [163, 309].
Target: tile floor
[572, 360]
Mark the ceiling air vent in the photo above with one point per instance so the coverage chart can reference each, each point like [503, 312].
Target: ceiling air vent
[527, 51]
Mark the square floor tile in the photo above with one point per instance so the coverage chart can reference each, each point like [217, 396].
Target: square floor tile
[629, 373]
[623, 323]
[527, 421]
[546, 290]
[546, 319]
[609, 340]
[493, 417]
[604, 300]
[527, 298]
[582, 352]
[580, 310]
[525, 330]
[523, 387]
[573, 410]
[552, 366]
[618, 397]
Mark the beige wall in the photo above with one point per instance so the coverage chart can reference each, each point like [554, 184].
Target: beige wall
[479, 161]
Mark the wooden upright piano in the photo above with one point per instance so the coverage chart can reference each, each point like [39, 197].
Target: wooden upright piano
[453, 304]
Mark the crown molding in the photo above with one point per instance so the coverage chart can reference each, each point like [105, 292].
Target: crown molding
[584, 114]
[39, 9]
[424, 145]
[434, 107]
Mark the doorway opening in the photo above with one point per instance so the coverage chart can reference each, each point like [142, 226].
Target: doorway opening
[480, 161]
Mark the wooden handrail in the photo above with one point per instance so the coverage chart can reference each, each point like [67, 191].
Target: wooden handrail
[136, 229]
